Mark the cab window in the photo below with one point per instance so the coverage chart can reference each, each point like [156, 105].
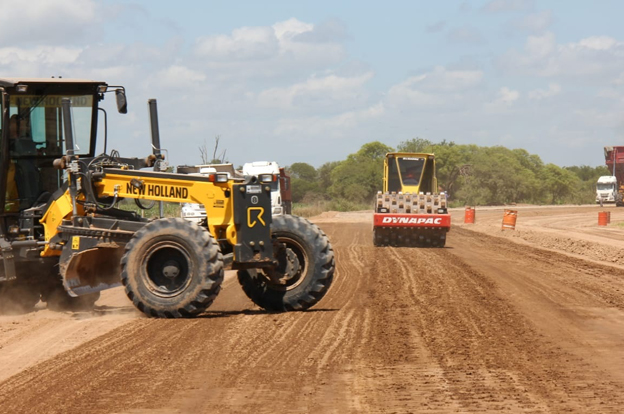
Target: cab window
[411, 170]
[37, 128]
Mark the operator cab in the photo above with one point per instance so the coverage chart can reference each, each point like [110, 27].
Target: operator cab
[32, 138]
[410, 173]
[31, 135]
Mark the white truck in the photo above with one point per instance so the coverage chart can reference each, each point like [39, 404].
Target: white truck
[268, 167]
[280, 187]
[606, 189]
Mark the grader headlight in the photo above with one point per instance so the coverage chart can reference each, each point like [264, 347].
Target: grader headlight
[218, 178]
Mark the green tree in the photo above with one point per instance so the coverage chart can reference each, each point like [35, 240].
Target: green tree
[498, 177]
[453, 164]
[415, 145]
[301, 188]
[559, 183]
[360, 176]
[586, 192]
[302, 170]
[587, 173]
[324, 175]
[303, 180]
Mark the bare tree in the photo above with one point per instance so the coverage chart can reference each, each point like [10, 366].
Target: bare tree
[203, 152]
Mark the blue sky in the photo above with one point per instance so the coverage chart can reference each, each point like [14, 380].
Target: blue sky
[312, 81]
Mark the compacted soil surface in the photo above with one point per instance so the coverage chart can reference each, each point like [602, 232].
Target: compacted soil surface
[526, 320]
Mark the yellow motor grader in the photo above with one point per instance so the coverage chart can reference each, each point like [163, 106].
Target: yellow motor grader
[410, 211]
[63, 237]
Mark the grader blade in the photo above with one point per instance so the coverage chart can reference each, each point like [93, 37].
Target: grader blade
[91, 270]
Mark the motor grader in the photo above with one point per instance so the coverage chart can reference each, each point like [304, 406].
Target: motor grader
[410, 211]
[64, 237]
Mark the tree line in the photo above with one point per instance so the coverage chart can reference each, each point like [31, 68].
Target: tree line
[469, 174]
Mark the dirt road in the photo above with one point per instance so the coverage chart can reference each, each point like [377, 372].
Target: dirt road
[523, 321]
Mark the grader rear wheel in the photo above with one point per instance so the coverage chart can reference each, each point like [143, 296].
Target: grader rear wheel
[305, 271]
[172, 268]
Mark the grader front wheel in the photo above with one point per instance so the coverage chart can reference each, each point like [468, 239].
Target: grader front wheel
[305, 271]
[172, 269]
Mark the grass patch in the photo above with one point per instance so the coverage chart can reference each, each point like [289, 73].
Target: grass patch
[169, 209]
[315, 208]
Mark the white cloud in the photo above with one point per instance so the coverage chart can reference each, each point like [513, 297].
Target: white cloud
[442, 79]
[619, 80]
[325, 91]
[337, 126]
[178, 77]
[592, 57]
[599, 43]
[610, 94]
[507, 96]
[466, 34]
[438, 88]
[326, 32]
[291, 28]
[540, 94]
[41, 61]
[44, 22]
[260, 43]
[279, 50]
[597, 118]
[505, 99]
[535, 22]
[436, 27]
[247, 43]
[497, 6]
[40, 54]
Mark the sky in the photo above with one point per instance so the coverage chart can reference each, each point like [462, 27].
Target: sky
[312, 81]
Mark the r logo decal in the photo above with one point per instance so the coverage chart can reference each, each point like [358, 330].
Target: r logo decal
[255, 213]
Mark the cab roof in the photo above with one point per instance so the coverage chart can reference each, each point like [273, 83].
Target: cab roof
[10, 82]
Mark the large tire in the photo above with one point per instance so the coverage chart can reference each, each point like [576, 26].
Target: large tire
[18, 297]
[376, 238]
[305, 271]
[172, 268]
[441, 240]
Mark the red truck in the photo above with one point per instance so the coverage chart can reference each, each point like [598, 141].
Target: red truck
[611, 188]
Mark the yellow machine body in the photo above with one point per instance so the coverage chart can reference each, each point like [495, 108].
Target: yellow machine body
[177, 188]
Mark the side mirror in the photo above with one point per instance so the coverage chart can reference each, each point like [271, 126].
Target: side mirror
[122, 104]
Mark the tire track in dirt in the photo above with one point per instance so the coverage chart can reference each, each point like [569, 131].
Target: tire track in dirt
[26, 340]
[401, 330]
[400, 373]
[592, 280]
[305, 356]
[557, 375]
[77, 380]
[484, 345]
[231, 358]
[575, 302]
